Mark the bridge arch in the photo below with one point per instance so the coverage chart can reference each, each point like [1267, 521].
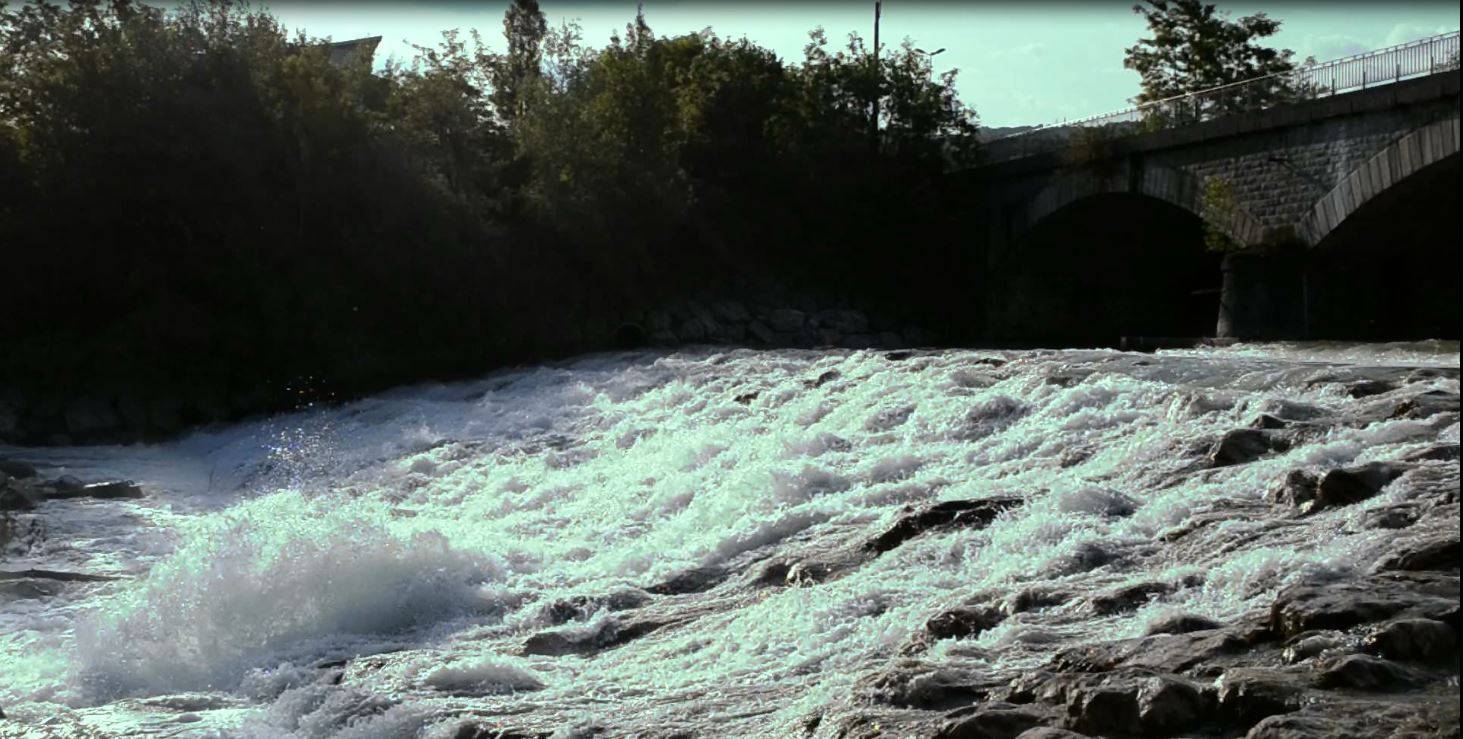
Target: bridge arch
[1173, 186]
[1413, 152]
[1387, 268]
[1103, 266]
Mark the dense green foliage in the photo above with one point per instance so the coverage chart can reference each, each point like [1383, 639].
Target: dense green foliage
[1194, 47]
[194, 201]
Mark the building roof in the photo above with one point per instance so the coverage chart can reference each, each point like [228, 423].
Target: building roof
[343, 51]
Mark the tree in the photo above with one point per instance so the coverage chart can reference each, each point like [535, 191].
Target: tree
[1195, 48]
[524, 28]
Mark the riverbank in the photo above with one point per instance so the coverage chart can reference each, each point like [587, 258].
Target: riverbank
[768, 317]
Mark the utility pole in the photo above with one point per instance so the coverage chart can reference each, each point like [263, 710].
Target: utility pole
[874, 123]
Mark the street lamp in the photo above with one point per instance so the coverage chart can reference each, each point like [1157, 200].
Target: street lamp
[874, 122]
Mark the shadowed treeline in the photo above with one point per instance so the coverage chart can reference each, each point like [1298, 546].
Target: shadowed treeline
[194, 204]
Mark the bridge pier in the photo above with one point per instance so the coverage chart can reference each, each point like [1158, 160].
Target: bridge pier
[1263, 296]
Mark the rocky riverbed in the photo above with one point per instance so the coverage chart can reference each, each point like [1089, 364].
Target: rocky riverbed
[1254, 541]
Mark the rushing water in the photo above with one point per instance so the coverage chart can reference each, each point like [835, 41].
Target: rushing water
[426, 533]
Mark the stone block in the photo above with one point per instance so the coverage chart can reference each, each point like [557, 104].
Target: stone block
[1354, 188]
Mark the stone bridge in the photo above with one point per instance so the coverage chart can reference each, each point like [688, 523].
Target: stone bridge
[1330, 218]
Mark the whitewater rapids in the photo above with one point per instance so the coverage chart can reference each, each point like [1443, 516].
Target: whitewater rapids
[374, 569]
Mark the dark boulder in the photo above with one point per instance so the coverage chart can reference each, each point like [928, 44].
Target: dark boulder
[16, 496]
[608, 636]
[1437, 554]
[1439, 453]
[1302, 647]
[1240, 446]
[1103, 709]
[996, 721]
[1301, 608]
[1369, 388]
[963, 622]
[17, 469]
[690, 581]
[947, 515]
[916, 684]
[1341, 487]
[102, 490]
[1391, 517]
[1127, 597]
[1365, 672]
[1247, 695]
[1297, 489]
[1167, 705]
[1426, 405]
[580, 607]
[1182, 623]
[1414, 640]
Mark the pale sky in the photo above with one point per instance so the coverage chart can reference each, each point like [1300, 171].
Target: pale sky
[1020, 63]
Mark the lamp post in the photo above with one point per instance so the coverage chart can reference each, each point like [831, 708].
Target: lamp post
[874, 120]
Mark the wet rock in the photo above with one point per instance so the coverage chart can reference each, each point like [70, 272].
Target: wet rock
[691, 581]
[1245, 696]
[1369, 388]
[1298, 489]
[1268, 421]
[1414, 640]
[1341, 487]
[17, 469]
[915, 684]
[1301, 608]
[580, 607]
[746, 398]
[481, 731]
[898, 356]
[1439, 453]
[996, 721]
[1050, 732]
[1352, 717]
[1170, 653]
[1391, 517]
[1240, 446]
[1127, 597]
[18, 496]
[53, 575]
[822, 379]
[102, 490]
[27, 589]
[1302, 647]
[1438, 554]
[1167, 705]
[810, 571]
[1103, 709]
[947, 515]
[1035, 598]
[1295, 726]
[1183, 623]
[577, 641]
[1365, 672]
[1040, 685]
[1426, 405]
[963, 622]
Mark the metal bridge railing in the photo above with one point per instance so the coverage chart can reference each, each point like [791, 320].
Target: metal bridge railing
[1358, 72]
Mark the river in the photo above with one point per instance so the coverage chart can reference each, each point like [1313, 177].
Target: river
[593, 547]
